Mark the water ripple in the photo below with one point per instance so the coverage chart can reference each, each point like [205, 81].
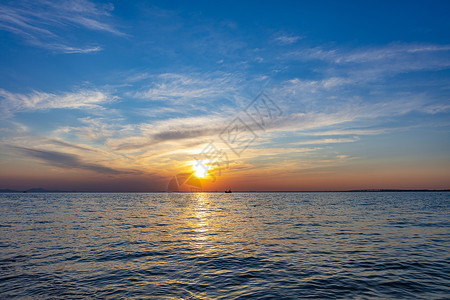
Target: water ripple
[225, 246]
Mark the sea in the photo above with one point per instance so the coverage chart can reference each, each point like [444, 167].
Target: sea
[337, 245]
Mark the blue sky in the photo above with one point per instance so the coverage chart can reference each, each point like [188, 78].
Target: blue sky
[123, 94]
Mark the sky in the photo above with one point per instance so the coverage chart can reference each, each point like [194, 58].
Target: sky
[141, 96]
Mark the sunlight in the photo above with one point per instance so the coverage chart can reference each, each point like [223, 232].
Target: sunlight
[200, 167]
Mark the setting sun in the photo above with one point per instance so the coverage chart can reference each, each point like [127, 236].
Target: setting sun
[200, 167]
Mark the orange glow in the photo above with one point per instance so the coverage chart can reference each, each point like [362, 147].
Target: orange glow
[200, 167]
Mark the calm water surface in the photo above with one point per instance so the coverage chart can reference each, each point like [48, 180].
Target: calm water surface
[229, 246]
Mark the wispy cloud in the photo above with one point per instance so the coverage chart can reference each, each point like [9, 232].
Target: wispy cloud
[42, 23]
[180, 88]
[69, 49]
[348, 132]
[69, 145]
[199, 128]
[70, 161]
[170, 130]
[286, 39]
[96, 129]
[328, 141]
[390, 52]
[368, 64]
[84, 99]
[437, 108]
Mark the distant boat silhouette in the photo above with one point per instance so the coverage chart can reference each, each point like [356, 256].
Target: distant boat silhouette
[229, 191]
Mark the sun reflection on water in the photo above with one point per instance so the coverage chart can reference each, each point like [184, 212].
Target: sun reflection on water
[201, 216]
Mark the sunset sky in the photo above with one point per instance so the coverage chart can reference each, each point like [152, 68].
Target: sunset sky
[127, 95]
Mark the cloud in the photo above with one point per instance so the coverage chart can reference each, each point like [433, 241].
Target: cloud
[336, 93]
[200, 128]
[328, 141]
[390, 52]
[170, 130]
[180, 88]
[68, 49]
[300, 86]
[84, 99]
[376, 61]
[42, 23]
[437, 108]
[188, 129]
[69, 145]
[285, 39]
[9, 128]
[348, 132]
[96, 129]
[366, 54]
[70, 161]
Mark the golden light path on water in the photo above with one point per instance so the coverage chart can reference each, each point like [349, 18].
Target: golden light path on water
[202, 215]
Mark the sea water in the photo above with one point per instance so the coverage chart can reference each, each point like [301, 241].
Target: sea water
[225, 246]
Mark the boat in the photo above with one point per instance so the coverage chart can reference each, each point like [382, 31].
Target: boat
[229, 191]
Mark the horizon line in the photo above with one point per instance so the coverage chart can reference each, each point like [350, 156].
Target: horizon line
[41, 190]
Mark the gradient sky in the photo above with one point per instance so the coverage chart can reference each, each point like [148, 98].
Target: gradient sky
[124, 95]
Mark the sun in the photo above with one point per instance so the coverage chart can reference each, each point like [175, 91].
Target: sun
[201, 167]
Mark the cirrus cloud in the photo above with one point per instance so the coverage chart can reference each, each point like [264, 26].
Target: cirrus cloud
[34, 101]
[43, 23]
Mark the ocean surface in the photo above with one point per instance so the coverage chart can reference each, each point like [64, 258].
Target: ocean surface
[363, 245]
